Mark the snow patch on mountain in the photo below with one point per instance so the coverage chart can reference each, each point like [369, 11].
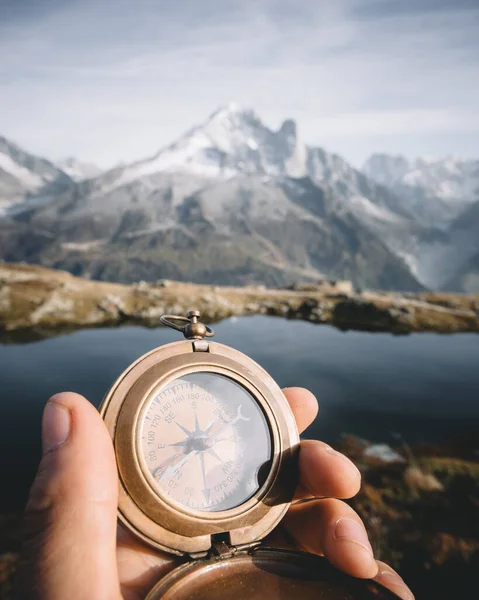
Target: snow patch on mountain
[29, 180]
[451, 179]
[77, 169]
[366, 207]
[15, 207]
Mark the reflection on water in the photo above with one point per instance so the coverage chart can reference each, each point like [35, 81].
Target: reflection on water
[423, 386]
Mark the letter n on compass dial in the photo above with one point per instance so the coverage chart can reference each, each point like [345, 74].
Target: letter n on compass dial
[205, 442]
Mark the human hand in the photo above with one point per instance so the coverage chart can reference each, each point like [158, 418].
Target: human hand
[73, 548]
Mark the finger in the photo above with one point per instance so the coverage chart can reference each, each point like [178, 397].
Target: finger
[332, 528]
[391, 580]
[139, 566]
[304, 406]
[70, 546]
[323, 472]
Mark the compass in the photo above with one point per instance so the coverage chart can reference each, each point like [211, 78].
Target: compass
[207, 447]
[205, 442]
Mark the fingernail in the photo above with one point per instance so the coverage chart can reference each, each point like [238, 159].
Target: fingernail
[56, 426]
[395, 583]
[351, 530]
[334, 452]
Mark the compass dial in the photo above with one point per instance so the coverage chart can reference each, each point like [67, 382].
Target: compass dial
[205, 442]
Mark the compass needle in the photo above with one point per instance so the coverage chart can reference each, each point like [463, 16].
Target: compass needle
[197, 424]
[205, 491]
[214, 422]
[213, 453]
[179, 444]
[239, 417]
[175, 466]
[183, 429]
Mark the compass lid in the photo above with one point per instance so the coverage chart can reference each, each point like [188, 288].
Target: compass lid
[265, 573]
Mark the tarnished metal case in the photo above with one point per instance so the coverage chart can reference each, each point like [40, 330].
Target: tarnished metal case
[265, 573]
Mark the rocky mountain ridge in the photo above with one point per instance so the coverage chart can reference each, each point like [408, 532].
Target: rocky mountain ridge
[27, 180]
[435, 189]
[231, 202]
[234, 202]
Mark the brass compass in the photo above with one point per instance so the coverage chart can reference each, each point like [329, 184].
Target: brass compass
[206, 447]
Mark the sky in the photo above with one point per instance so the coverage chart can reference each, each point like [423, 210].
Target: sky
[112, 81]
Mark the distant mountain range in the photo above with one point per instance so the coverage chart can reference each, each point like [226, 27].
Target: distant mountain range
[233, 202]
[433, 188]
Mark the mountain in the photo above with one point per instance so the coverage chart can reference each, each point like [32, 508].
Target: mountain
[443, 195]
[446, 255]
[435, 190]
[26, 179]
[77, 169]
[467, 279]
[234, 142]
[232, 202]
[464, 252]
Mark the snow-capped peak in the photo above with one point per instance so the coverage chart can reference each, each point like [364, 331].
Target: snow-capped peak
[26, 172]
[77, 169]
[24, 175]
[451, 178]
[28, 180]
[233, 108]
[232, 141]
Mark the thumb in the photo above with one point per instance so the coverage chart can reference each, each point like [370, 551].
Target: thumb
[70, 518]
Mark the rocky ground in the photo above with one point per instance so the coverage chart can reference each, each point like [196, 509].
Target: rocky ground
[36, 302]
[420, 506]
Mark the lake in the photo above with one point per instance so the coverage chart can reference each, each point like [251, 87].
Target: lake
[422, 386]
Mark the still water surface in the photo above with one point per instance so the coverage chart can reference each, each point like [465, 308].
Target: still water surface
[422, 386]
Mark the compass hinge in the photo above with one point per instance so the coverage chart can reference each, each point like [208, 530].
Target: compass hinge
[223, 550]
[201, 346]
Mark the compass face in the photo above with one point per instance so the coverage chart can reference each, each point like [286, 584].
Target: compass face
[205, 442]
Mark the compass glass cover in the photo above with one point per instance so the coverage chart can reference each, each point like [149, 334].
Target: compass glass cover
[205, 442]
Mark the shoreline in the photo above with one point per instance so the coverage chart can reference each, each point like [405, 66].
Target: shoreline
[36, 303]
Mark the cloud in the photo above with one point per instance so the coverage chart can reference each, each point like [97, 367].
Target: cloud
[114, 81]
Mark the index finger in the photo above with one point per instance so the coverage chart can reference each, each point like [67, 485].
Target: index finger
[303, 404]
